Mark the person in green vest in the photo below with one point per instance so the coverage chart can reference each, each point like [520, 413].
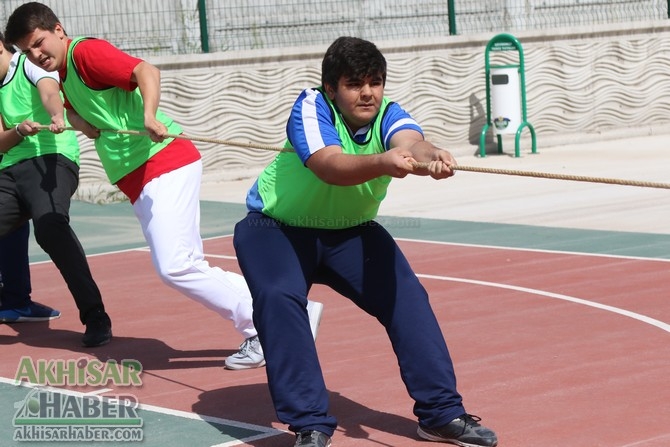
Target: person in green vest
[107, 90]
[311, 220]
[39, 173]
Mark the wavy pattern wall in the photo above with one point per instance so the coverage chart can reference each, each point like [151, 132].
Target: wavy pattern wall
[582, 84]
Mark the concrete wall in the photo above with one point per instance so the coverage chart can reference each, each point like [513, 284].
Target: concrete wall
[581, 83]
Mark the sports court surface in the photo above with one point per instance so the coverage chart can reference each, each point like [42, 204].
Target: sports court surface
[552, 295]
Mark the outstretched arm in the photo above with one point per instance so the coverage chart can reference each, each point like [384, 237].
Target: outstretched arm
[409, 154]
[53, 103]
[336, 168]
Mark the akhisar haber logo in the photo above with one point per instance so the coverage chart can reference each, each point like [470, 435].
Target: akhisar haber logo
[80, 372]
[52, 416]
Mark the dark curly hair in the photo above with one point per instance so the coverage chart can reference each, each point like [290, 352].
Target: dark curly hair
[352, 58]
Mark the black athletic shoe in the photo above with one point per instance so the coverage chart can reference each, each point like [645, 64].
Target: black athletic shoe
[98, 329]
[464, 431]
[312, 438]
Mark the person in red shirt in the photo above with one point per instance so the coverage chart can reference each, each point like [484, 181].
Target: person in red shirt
[107, 90]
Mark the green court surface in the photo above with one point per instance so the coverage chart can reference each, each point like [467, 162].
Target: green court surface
[113, 227]
[156, 427]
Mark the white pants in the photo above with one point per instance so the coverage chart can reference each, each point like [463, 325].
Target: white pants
[168, 209]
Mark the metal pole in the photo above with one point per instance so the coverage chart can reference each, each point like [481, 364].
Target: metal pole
[204, 36]
[452, 17]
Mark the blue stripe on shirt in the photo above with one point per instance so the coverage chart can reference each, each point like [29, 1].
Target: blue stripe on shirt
[310, 126]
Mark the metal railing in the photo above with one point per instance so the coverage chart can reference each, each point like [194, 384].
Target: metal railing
[173, 27]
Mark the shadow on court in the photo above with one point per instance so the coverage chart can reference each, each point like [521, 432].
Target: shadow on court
[152, 353]
[252, 403]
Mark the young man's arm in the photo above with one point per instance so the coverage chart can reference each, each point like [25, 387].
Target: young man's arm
[51, 100]
[82, 125]
[336, 168]
[10, 137]
[102, 65]
[148, 79]
[312, 133]
[407, 147]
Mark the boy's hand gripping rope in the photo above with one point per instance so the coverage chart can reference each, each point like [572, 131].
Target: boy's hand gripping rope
[576, 178]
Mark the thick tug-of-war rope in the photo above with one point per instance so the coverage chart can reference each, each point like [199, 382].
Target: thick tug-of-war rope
[576, 178]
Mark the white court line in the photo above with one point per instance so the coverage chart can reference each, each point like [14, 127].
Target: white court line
[626, 313]
[266, 432]
[94, 255]
[535, 250]
[643, 318]
[26, 384]
[493, 247]
[498, 247]
[647, 442]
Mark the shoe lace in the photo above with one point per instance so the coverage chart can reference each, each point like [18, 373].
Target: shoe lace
[305, 438]
[302, 437]
[470, 420]
[246, 345]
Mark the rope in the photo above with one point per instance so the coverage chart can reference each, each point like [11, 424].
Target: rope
[191, 138]
[547, 175]
[576, 178]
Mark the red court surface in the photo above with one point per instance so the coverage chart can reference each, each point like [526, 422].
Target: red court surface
[551, 349]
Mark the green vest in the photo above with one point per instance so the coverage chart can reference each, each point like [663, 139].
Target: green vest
[20, 100]
[294, 195]
[114, 109]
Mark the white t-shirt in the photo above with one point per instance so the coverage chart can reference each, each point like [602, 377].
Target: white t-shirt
[33, 72]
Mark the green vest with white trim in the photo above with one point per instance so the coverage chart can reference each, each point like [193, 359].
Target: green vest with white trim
[294, 195]
[19, 101]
